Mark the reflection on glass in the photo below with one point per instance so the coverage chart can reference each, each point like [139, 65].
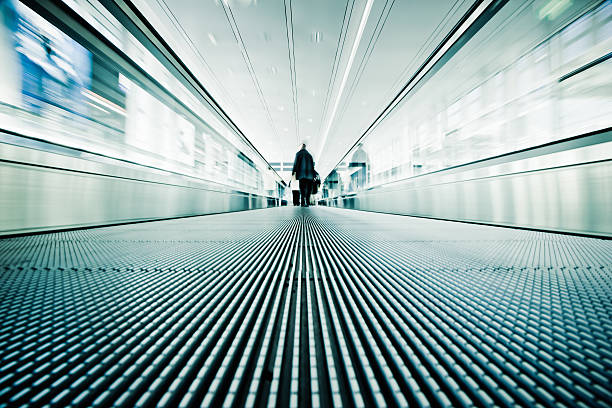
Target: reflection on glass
[54, 89]
[500, 93]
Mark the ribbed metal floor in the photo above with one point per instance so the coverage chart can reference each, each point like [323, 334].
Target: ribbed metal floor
[305, 307]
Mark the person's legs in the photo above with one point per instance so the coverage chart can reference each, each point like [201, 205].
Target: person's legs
[303, 191]
[308, 191]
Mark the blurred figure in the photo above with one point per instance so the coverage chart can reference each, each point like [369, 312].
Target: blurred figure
[303, 170]
[316, 184]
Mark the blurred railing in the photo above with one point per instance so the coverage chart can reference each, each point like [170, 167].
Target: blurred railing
[95, 93]
[526, 79]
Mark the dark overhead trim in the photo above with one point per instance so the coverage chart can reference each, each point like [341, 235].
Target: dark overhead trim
[128, 14]
[586, 66]
[137, 24]
[73, 25]
[124, 10]
[413, 82]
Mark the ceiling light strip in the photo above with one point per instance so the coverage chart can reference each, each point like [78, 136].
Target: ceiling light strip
[347, 70]
[476, 17]
[291, 50]
[339, 49]
[382, 20]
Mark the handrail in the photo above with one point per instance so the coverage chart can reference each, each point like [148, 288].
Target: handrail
[70, 151]
[574, 142]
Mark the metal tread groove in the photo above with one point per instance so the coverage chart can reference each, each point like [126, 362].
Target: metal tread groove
[305, 308]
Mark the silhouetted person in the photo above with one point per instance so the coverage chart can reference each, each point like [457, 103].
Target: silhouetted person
[303, 169]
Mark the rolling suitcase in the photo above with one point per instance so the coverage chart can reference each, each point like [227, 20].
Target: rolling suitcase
[296, 197]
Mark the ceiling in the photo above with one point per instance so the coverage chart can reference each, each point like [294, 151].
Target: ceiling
[288, 71]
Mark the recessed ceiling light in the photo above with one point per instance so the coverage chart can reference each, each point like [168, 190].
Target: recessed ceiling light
[212, 39]
[285, 129]
[309, 120]
[313, 92]
[281, 108]
[349, 64]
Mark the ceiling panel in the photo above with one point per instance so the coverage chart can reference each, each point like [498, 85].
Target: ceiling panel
[288, 71]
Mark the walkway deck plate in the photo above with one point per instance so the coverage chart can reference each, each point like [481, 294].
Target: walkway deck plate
[305, 307]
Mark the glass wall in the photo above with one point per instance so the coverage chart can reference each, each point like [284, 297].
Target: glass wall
[55, 90]
[519, 82]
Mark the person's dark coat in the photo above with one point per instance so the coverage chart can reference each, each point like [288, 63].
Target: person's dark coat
[303, 165]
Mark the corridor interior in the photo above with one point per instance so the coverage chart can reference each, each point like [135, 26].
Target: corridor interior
[305, 307]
